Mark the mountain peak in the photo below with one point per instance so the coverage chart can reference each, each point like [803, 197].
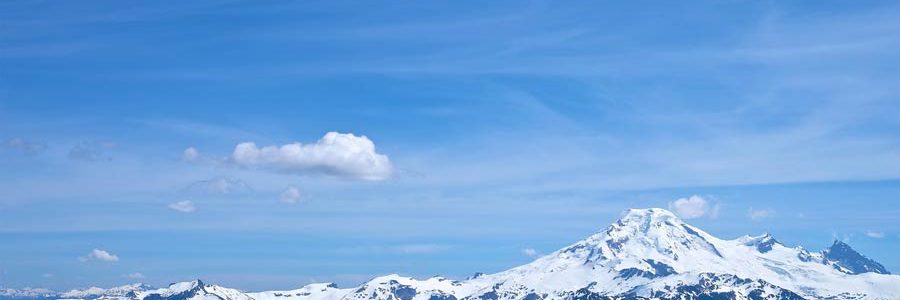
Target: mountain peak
[651, 213]
[763, 243]
[643, 234]
[642, 221]
[839, 244]
[847, 260]
[649, 219]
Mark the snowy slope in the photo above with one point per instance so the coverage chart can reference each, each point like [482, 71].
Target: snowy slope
[647, 254]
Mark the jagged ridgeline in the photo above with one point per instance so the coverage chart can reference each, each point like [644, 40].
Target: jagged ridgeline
[647, 254]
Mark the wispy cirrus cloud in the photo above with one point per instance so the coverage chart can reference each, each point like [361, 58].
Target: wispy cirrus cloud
[219, 185]
[91, 151]
[875, 234]
[759, 214]
[25, 146]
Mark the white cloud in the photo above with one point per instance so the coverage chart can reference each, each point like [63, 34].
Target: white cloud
[291, 195]
[135, 275]
[530, 252]
[759, 214]
[337, 154]
[190, 154]
[875, 234]
[100, 255]
[694, 207]
[185, 206]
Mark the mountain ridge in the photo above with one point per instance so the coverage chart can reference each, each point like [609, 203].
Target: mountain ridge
[646, 254]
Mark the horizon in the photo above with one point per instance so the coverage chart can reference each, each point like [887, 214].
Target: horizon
[268, 145]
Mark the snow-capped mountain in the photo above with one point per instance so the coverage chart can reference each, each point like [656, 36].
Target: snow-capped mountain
[647, 254]
[95, 292]
[26, 293]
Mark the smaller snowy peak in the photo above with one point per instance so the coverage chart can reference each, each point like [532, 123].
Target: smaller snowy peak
[194, 290]
[314, 291]
[175, 289]
[27, 293]
[78, 294]
[396, 287]
[843, 258]
[762, 243]
[96, 292]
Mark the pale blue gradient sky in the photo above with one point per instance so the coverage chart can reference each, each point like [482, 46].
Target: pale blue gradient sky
[510, 125]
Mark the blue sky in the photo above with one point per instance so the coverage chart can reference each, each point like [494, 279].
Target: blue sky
[480, 133]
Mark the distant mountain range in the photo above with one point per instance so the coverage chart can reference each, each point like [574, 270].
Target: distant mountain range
[648, 254]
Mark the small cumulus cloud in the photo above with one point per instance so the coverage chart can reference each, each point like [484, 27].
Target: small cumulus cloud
[24, 146]
[291, 195]
[99, 255]
[190, 154]
[875, 234]
[91, 151]
[185, 206]
[759, 214]
[135, 275]
[694, 207]
[530, 252]
[342, 155]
